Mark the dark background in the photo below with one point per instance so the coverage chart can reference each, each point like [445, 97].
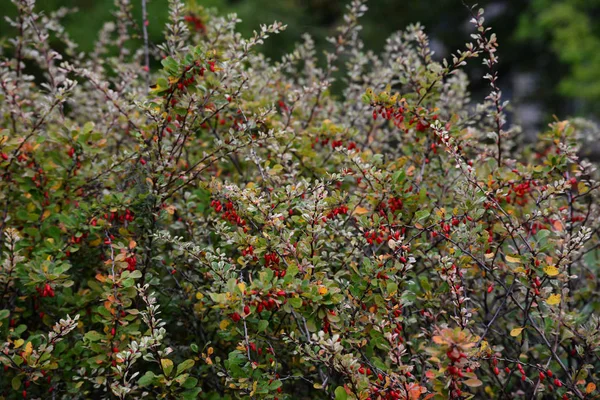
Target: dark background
[549, 49]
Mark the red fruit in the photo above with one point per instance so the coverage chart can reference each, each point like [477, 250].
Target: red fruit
[235, 317]
[542, 376]
[142, 161]
[115, 350]
[361, 370]
[113, 331]
[557, 383]
[246, 309]
[24, 393]
[490, 288]
[507, 370]
[496, 371]
[549, 373]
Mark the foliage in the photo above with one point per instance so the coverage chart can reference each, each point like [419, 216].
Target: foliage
[235, 230]
[574, 35]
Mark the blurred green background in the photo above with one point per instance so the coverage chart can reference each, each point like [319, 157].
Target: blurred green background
[549, 49]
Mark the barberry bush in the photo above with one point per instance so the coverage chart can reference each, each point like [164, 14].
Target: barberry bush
[222, 226]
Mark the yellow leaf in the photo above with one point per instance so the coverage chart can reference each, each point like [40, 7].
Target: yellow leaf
[513, 259]
[322, 290]
[18, 343]
[28, 349]
[551, 270]
[199, 296]
[242, 286]
[590, 387]
[484, 345]
[132, 244]
[360, 211]
[224, 324]
[167, 365]
[516, 332]
[553, 299]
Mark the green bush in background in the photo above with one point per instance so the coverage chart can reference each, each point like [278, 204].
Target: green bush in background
[554, 41]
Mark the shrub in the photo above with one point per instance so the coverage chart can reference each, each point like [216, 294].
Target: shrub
[226, 226]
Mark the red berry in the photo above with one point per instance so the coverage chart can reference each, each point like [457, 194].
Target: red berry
[246, 309]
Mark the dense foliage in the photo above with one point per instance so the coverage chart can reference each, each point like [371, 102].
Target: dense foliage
[226, 227]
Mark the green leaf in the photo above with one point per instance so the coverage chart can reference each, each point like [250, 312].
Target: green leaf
[263, 325]
[191, 394]
[296, 302]
[129, 282]
[135, 274]
[16, 382]
[4, 314]
[190, 382]
[340, 393]
[93, 336]
[146, 379]
[184, 366]
[422, 214]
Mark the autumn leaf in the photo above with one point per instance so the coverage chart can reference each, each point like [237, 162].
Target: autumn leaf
[360, 211]
[551, 270]
[554, 299]
[590, 387]
[516, 332]
[513, 259]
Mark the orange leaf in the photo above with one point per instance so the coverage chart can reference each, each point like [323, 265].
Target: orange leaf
[590, 387]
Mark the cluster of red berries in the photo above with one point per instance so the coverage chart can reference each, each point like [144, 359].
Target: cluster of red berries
[341, 210]
[335, 143]
[261, 302]
[45, 291]
[520, 190]
[393, 204]
[229, 212]
[196, 22]
[382, 234]
[122, 217]
[395, 114]
[271, 259]
[77, 239]
[131, 262]
[39, 178]
[272, 262]
[248, 251]
[387, 392]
